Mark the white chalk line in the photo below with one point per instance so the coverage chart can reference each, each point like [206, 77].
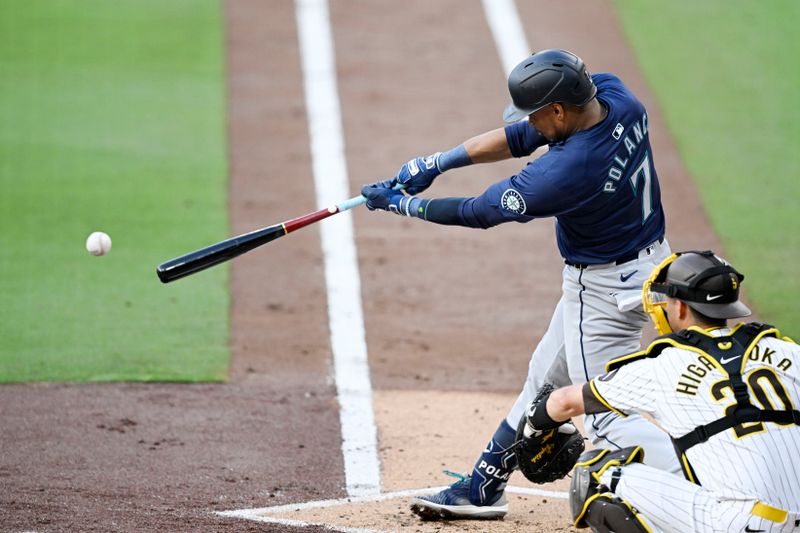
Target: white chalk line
[261, 514]
[345, 315]
[507, 31]
[300, 523]
[354, 390]
[342, 279]
[359, 435]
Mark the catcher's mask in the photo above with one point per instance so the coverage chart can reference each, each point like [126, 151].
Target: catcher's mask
[707, 283]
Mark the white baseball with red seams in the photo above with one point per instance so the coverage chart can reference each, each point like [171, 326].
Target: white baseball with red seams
[98, 243]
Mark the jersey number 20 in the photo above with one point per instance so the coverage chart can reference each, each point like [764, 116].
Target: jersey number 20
[756, 381]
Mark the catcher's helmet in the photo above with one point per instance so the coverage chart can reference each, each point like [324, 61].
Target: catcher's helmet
[545, 78]
[707, 283]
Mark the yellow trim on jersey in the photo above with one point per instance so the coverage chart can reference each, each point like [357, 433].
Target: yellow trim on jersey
[768, 512]
[599, 398]
[745, 357]
[642, 522]
[619, 361]
[625, 359]
[756, 341]
[687, 469]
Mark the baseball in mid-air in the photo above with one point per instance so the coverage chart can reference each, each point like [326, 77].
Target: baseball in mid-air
[98, 243]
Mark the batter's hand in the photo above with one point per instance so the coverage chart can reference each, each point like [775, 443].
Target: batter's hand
[418, 174]
[381, 195]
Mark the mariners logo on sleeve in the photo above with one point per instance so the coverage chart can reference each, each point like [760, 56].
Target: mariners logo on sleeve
[513, 201]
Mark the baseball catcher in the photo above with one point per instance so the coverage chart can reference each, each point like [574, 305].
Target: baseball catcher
[727, 396]
[546, 450]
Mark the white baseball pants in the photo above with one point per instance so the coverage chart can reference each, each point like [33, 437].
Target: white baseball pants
[671, 504]
[598, 318]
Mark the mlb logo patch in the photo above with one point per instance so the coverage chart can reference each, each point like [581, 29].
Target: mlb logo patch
[618, 129]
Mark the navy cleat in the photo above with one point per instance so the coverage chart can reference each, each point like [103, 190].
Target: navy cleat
[453, 503]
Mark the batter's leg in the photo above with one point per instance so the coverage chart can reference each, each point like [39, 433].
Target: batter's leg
[481, 495]
[547, 365]
[609, 430]
[596, 331]
[495, 465]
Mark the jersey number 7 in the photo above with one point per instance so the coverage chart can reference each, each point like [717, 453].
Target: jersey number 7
[643, 170]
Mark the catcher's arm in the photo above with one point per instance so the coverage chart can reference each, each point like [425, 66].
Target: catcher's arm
[562, 404]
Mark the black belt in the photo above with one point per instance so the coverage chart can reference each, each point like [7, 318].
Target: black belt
[619, 261]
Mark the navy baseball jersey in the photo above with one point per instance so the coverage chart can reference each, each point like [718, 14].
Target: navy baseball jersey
[600, 183]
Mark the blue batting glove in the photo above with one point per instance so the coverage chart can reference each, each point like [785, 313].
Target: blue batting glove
[384, 184]
[380, 195]
[418, 174]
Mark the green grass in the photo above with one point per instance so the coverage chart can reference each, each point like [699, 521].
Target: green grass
[725, 73]
[111, 119]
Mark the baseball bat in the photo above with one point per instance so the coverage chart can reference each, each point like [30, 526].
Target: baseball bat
[204, 258]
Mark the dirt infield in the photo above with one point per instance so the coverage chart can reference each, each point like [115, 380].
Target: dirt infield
[451, 315]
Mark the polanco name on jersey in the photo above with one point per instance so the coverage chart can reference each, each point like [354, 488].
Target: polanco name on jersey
[615, 173]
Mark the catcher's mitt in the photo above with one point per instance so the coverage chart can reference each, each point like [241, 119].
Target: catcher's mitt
[547, 455]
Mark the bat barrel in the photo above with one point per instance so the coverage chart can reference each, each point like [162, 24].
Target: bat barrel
[188, 264]
[215, 254]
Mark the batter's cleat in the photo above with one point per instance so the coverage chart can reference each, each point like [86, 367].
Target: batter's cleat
[453, 504]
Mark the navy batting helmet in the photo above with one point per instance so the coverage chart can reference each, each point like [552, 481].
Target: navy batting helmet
[545, 78]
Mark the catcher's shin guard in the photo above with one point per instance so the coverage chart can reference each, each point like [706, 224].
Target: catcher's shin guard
[593, 504]
[495, 465]
[609, 514]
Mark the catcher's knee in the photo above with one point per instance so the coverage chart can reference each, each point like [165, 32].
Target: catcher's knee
[594, 504]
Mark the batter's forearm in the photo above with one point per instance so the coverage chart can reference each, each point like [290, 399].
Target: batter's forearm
[488, 147]
[438, 210]
[447, 211]
[455, 158]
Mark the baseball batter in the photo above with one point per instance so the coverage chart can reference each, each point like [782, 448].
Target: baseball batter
[728, 397]
[598, 180]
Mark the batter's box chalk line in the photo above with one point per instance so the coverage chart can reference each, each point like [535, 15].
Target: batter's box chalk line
[261, 514]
